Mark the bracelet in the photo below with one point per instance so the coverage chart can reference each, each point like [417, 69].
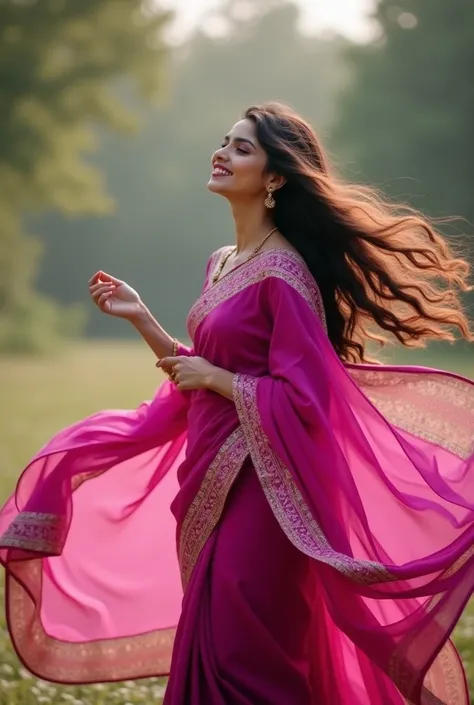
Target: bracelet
[174, 353]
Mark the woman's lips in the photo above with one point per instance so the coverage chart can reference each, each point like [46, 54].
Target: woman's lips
[221, 171]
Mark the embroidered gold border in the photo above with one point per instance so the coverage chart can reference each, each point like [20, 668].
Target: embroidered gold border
[444, 684]
[276, 262]
[139, 656]
[285, 499]
[417, 415]
[206, 508]
[35, 531]
[447, 678]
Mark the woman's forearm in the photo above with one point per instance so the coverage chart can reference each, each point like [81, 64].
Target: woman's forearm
[157, 339]
[220, 381]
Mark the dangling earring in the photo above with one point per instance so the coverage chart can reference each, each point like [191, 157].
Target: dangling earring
[270, 201]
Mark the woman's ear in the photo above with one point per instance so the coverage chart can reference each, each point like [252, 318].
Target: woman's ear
[275, 182]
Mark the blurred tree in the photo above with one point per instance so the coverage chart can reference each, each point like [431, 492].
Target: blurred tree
[166, 223]
[406, 119]
[59, 63]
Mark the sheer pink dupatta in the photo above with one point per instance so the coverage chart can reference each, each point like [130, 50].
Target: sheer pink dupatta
[93, 585]
[383, 503]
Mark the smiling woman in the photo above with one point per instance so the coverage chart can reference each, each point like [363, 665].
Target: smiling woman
[283, 523]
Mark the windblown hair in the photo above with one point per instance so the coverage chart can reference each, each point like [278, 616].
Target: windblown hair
[374, 262]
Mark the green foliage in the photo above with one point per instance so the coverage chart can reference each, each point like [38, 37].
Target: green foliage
[29, 321]
[406, 119]
[59, 65]
[28, 327]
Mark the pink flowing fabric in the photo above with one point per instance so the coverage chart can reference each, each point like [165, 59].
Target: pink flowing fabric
[325, 521]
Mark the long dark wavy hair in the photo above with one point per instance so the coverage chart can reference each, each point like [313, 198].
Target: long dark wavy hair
[374, 262]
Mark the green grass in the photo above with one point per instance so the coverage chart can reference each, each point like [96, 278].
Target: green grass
[40, 396]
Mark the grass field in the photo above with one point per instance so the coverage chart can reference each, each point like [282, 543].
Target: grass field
[40, 396]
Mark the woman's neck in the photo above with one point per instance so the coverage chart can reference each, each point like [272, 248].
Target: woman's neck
[251, 226]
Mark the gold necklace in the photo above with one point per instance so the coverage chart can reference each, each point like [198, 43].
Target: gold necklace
[224, 259]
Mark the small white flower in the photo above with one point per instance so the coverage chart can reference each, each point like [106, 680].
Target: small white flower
[43, 685]
[23, 673]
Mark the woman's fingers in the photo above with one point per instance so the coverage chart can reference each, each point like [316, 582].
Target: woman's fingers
[110, 279]
[168, 361]
[94, 279]
[168, 365]
[94, 288]
[97, 293]
[102, 277]
[103, 298]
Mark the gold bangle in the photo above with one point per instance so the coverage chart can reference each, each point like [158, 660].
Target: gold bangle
[175, 347]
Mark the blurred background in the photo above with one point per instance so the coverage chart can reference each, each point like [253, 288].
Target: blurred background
[109, 112]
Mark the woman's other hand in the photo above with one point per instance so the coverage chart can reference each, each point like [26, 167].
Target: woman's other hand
[114, 296]
[187, 373]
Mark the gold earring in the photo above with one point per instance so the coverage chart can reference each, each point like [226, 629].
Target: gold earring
[270, 201]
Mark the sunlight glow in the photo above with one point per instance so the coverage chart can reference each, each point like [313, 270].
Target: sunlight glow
[347, 17]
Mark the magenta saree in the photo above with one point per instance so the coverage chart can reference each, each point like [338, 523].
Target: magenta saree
[325, 521]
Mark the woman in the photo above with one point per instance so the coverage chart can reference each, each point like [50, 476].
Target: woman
[324, 509]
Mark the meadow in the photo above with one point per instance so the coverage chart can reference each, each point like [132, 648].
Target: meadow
[40, 396]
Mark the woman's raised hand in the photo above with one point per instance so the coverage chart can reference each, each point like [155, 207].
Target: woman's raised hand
[114, 296]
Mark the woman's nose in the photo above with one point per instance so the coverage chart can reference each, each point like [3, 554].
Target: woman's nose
[221, 154]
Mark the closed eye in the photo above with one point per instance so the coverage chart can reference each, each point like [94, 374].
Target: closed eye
[237, 149]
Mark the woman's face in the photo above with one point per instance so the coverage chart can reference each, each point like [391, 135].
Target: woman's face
[238, 167]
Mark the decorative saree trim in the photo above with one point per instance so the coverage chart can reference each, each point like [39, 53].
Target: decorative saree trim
[286, 500]
[208, 504]
[445, 677]
[36, 531]
[436, 407]
[140, 656]
[276, 262]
